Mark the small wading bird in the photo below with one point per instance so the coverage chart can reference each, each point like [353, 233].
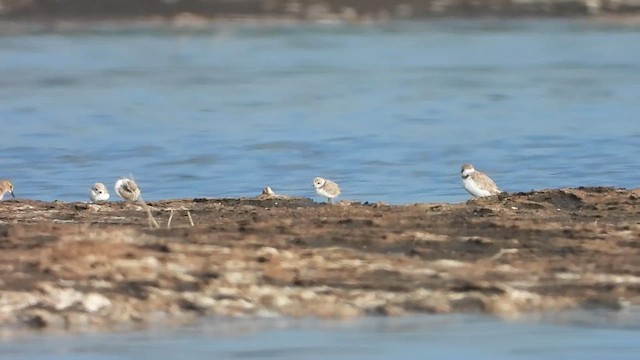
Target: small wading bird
[6, 186]
[98, 193]
[326, 188]
[127, 189]
[477, 183]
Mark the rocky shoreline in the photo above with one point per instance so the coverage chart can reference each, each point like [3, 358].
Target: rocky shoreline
[314, 10]
[79, 265]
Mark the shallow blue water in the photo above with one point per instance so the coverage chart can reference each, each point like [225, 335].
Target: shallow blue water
[579, 337]
[388, 111]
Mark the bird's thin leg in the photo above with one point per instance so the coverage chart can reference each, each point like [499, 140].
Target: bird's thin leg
[169, 221]
[190, 218]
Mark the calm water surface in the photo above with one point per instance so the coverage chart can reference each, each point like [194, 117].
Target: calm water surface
[567, 337]
[389, 111]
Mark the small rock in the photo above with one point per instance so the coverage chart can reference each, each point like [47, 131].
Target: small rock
[60, 298]
[275, 301]
[94, 302]
[266, 251]
[197, 302]
[40, 319]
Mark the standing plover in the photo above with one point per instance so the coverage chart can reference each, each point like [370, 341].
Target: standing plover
[326, 188]
[98, 193]
[477, 183]
[6, 186]
[127, 189]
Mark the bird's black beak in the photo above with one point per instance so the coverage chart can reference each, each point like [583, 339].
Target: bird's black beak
[12, 194]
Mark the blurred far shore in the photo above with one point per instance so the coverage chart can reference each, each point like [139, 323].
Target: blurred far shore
[194, 11]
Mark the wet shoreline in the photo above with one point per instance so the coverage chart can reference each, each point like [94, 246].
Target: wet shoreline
[78, 265]
[306, 10]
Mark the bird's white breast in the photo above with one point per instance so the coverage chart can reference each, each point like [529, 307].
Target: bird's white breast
[472, 187]
[323, 192]
[97, 196]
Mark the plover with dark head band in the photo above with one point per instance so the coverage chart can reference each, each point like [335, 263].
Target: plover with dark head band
[477, 183]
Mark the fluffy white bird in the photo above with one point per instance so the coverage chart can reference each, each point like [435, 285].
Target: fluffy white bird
[127, 189]
[326, 188]
[477, 183]
[98, 193]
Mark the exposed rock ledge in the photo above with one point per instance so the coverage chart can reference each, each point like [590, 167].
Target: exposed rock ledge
[77, 265]
[349, 10]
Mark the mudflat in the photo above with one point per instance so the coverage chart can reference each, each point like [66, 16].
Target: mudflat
[78, 265]
[189, 11]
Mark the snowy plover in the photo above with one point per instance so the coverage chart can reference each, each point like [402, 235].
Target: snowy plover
[326, 188]
[127, 189]
[6, 186]
[477, 183]
[98, 193]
